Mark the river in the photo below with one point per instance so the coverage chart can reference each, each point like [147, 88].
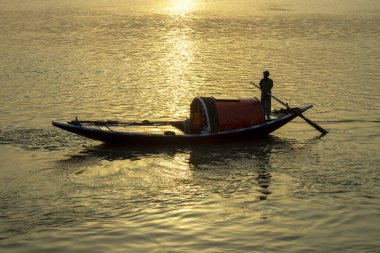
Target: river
[294, 191]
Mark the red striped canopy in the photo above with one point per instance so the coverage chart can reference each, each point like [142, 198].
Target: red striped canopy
[228, 114]
[242, 113]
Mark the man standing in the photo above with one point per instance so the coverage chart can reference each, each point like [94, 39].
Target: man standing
[266, 85]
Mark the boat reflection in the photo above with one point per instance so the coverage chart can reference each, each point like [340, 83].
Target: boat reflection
[232, 167]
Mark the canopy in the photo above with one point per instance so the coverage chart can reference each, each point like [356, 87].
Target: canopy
[208, 114]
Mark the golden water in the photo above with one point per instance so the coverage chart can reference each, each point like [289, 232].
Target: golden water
[136, 60]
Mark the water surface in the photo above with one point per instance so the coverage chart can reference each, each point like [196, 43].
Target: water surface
[135, 60]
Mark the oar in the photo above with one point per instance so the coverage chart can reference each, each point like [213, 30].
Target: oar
[313, 124]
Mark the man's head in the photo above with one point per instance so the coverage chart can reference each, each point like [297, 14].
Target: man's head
[266, 73]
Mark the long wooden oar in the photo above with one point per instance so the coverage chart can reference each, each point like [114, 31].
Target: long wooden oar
[313, 124]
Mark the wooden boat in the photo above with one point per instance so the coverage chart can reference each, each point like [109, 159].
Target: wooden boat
[211, 120]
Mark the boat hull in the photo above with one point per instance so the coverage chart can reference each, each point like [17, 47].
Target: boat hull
[131, 138]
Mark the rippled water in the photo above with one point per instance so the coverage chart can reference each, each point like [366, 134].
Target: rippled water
[133, 60]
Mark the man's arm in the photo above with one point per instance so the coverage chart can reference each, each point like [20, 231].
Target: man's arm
[261, 84]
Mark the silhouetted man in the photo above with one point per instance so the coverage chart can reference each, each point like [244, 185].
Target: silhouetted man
[266, 85]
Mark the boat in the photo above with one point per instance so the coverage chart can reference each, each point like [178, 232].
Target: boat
[211, 120]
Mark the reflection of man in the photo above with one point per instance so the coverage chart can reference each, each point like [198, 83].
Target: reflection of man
[266, 85]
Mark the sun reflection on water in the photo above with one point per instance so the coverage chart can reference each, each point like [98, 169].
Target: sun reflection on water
[179, 49]
[181, 7]
[179, 56]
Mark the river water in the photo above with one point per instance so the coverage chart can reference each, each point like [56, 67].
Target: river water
[136, 60]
